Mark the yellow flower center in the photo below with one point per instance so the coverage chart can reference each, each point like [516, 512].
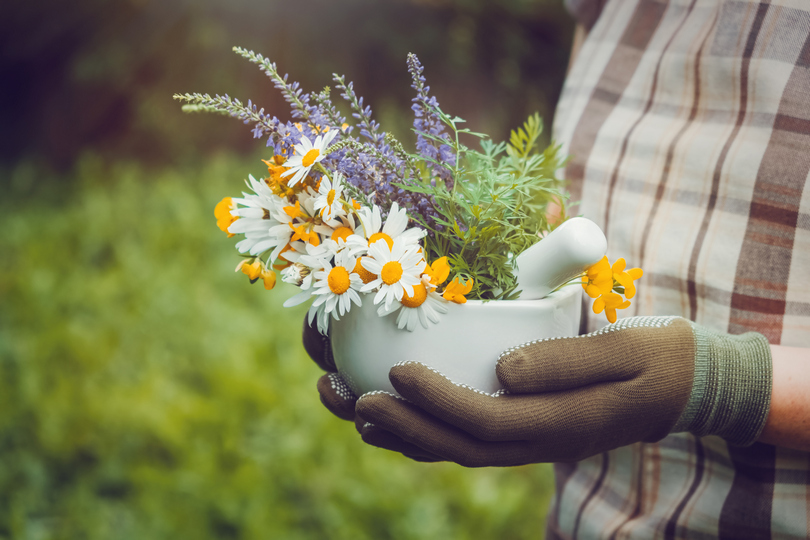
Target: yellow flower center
[341, 233]
[391, 272]
[310, 157]
[381, 236]
[330, 197]
[418, 298]
[364, 274]
[338, 280]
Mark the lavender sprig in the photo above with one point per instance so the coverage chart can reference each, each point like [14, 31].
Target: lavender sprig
[426, 122]
[399, 151]
[291, 91]
[368, 127]
[330, 111]
[264, 124]
[384, 159]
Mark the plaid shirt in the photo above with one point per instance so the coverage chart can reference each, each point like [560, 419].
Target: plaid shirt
[688, 123]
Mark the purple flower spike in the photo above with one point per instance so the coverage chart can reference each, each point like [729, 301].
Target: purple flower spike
[427, 121]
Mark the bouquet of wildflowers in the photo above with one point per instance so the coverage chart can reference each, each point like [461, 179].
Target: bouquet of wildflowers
[349, 215]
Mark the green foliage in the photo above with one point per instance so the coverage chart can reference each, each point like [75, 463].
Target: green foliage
[523, 140]
[149, 392]
[496, 207]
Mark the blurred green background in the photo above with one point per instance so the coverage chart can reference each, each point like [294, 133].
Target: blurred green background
[146, 390]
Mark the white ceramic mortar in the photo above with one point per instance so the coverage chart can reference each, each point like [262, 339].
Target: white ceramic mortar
[464, 346]
[469, 338]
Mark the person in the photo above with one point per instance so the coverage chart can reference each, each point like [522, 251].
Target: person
[688, 127]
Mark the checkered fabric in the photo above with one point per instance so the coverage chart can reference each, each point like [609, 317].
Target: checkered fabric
[688, 123]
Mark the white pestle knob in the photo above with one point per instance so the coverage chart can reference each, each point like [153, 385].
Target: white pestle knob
[567, 251]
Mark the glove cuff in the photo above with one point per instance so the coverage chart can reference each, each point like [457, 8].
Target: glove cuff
[731, 390]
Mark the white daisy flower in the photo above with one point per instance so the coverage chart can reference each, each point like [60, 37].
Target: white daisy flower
[258, 213]
[306, 155]
[310, 255]
[356, 244]
[336, 289]
[295, 274]
[327, 203]
[395, 225]
[422, 308]
[313, 259]
[396, 270]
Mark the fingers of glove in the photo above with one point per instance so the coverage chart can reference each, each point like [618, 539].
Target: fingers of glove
[479, 414]
[620, 352]
[337, 396]
[424, 458]
[318, 347]
[359, 424]
[582, 417]
[376, 436]
[435, 437]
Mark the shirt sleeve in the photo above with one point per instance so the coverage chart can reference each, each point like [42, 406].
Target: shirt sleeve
[586, 12]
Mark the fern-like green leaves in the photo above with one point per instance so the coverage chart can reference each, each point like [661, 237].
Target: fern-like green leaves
[496, 208]
[523, 140]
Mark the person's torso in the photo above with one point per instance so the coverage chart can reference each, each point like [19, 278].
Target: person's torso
[688, 127]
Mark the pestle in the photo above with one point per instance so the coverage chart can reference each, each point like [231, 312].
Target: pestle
[566, 252]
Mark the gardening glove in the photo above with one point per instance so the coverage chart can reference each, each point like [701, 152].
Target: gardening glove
[335, 393]
[565, 399]
[339, 399]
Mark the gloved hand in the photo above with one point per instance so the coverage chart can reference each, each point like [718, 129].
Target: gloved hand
[566, 399]
[339, 399]
[335, 393]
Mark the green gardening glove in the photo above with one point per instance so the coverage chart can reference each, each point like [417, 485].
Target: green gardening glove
[566, 399]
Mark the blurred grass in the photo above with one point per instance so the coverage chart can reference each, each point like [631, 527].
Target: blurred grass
[147, 391]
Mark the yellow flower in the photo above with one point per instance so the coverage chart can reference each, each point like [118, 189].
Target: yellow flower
[300, 233]
[279, 183]
[455, 291]
[222, 211]
[609, 303]
[626, 278]
[269, 278]
[603, 281]
[598, 279]
[275, 182]
[438, 272]
[294, 211]
[254, 269]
